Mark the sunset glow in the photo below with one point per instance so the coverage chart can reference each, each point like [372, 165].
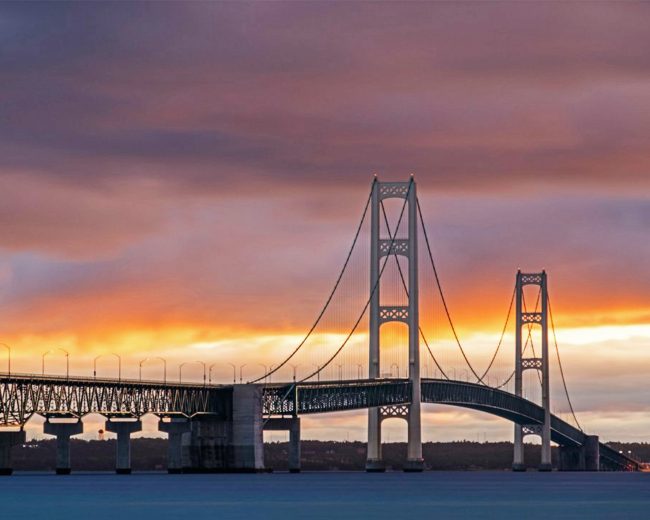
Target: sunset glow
[185, 182]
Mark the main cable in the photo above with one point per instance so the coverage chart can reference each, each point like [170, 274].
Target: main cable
[479, 379]
[559, 361]
[331, 295]
[372, 292]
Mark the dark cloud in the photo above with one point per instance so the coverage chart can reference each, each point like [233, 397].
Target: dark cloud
[485, 95]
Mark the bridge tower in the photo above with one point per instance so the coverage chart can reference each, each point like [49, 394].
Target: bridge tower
[409, 314]
[537, 317]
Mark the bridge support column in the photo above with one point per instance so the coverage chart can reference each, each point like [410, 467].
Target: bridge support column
[292, 425]
[518, 463]
[206, 448]
[592, 453]
[374, 461]
[572, 458]
[123, 429]
[175, 428]
[9, 439]
[63, 432]
[247, 429]
[409, 314]
[527, 318]
[581, 458]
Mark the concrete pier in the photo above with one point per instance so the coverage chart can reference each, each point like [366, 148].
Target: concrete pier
[247, 434]
[581, 458]
[175, 428]
[123, 428]
[592, 453]
[292, 425]
[9, 439]
[206, 448]
[63, 432]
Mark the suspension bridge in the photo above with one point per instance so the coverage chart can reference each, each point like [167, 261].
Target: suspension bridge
[371, 326]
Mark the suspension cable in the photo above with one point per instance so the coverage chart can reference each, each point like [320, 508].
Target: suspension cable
[559, 361]
[442, 297]
[401, 274]
[503, 333]
[372, 292]
[331, 295]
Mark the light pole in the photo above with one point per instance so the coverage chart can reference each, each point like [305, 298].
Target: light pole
[210, 373]
[265, 370]
[359, 369]
[67, 362]
[340, 372]
[151, 359]
[119, 365]
[241, 377]
[317, 372]
[180, 371]
[8, 357]
[140, 367]
[234, 373]
[294, 367]
[204, 369]
[43, 361]
[454, 370]
[396, 369]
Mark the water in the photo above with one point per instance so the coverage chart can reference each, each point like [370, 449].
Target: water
[334, 495]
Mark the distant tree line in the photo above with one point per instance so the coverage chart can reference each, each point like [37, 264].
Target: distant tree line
[150, 455]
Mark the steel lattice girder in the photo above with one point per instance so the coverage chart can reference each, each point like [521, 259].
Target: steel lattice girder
[23, 396]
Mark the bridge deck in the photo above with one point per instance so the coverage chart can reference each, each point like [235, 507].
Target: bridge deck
[22, 395]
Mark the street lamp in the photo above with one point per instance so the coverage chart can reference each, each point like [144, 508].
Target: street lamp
[140, 367]
[234, 373]
[119, 365]
[43, 361]
[241, 377]
[204, 369]
[317, 371]
[8, 357]
[397, 369]
[210, 373]
[359, 369]
[265, 370]
[294, 367]
[180, 370]
[151, 359]
[67, 362]
[340, 372]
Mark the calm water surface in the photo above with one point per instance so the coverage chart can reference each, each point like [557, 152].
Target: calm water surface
[326, 496]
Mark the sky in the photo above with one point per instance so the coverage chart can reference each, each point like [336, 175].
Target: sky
[184, 180]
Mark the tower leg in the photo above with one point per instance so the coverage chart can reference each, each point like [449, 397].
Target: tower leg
[374, 462]
[414, 460]
[518, 463]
